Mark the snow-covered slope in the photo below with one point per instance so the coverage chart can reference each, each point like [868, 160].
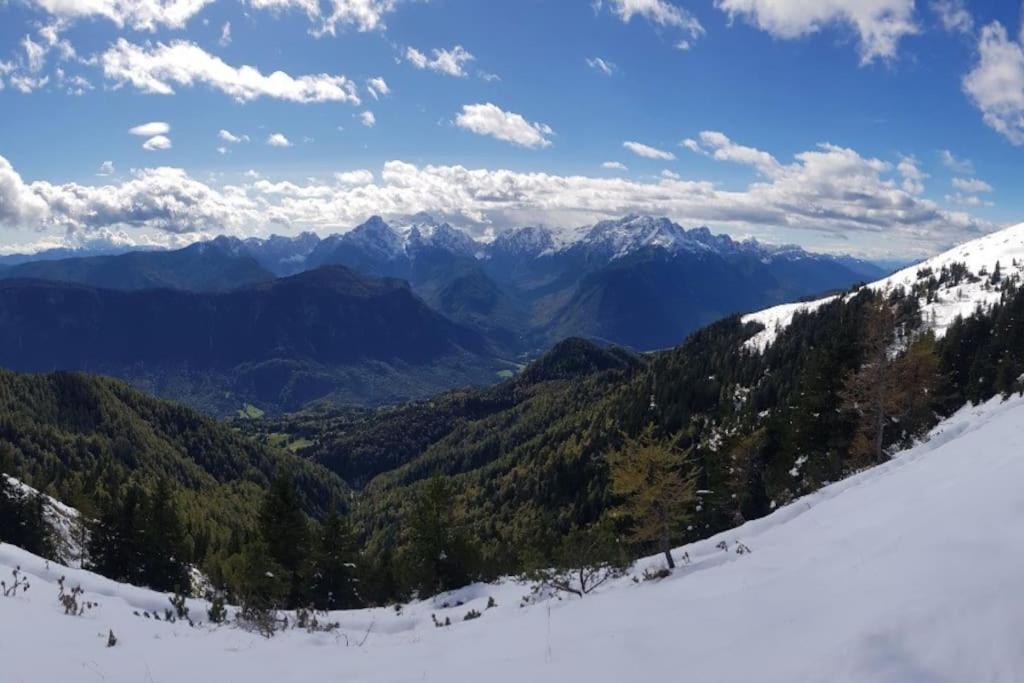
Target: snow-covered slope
[906, 572]
[980, 256]
[69, 531]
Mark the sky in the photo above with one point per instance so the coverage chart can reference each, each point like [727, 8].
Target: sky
[880, 128]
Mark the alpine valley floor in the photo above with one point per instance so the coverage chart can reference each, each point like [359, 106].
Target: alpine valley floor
[906, 572]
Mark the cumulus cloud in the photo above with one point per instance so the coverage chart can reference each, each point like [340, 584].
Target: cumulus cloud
[451, 62]
[228, 136]
[141, 15]
[364, 15]
[647, 151]
[310, 7]
[358, 177]
[950, 161]
[158, 68]
[880, 24]
[660, 12]
[367, 119]
[972, 185]
[489, 119]
[150, 129]
[157, 142]
[614, 166]
[377, 87]
[720, 147]
[278, 140]
[598, 64]
[827, 190]
[106, 168]
[913, 176]
[225, 35]
[953, 16]
[996, 83]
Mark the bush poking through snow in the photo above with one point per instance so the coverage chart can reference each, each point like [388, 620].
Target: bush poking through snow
[491, 602]
[586, 560]
[217, 613]
[438, 623]
[657, 574]
[111, 639]
[308, 618]
[19, 584]
[471, 615]
[69, 600]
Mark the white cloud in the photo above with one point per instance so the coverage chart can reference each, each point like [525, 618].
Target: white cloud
[950, 161]
[598, 64]
[150, 129]
[996, 84]
[367, 119]
[358, 177]
[278, 140]
[106, 168]
[913, 176]
[222, 150]
[449, 62]
[647, 151]
[614, 166]
[953, 16]
[720, 147]
[489, 119]
[966, 200]
[157, 68]
[660, 12]
[157, 142]
[827, 190]
[880, 24]
[972, 185]
[377, 87]
[141, 15]
[225, 34]
[364, 15]
[228, 136]
[310, 7]
[670, 175]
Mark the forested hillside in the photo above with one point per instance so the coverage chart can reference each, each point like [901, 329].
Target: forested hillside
[94, 443]
[526, 463]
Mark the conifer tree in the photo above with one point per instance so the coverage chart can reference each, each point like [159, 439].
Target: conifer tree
[658, 489]
[334, 576]
[23, 520]
[438, 556]
[115, 548]
[284, 530]
[165, 554]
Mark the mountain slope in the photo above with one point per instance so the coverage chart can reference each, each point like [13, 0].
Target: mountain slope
[206, 266]
[955, 283]
[78, 437]
[878, 578]
[328, 333]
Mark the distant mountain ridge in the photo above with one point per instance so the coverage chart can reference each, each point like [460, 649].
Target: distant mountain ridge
[328, 333]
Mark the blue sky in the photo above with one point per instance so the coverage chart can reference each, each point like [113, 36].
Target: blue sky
[894, 129]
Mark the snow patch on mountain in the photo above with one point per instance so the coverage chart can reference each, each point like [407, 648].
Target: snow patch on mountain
[981, 256]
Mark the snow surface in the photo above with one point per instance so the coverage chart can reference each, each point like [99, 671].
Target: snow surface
[906, 572]
[69, 531]
[1003, 247]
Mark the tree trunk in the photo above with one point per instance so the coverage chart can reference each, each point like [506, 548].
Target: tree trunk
[666, 543]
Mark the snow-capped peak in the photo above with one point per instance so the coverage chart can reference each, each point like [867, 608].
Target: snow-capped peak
[958, 297]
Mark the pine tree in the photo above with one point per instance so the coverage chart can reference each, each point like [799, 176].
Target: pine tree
[334, 575]
[165, 553]
[438, 557]
[284, 530]
[23, 520]
[115, 541]
[658, 489]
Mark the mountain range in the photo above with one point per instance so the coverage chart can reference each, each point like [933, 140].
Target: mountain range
[283, 321]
